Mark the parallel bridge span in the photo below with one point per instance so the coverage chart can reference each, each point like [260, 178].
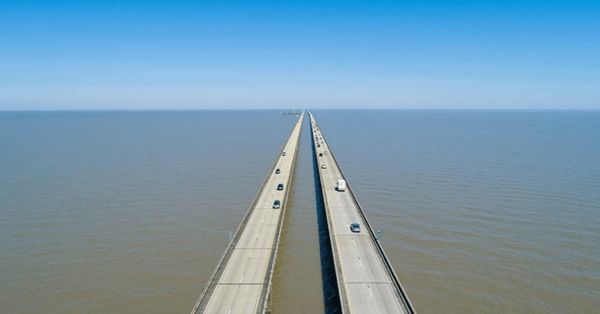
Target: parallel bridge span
[241, 283]
[366, 280]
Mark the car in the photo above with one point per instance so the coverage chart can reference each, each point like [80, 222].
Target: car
[283, 154]
[323, 166]
[276, 204]
[340, 185]
[277, 171]
[320, 154]
[355, 227]
[280, 187]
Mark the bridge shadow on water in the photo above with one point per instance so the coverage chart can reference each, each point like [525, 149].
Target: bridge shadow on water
[330, 289]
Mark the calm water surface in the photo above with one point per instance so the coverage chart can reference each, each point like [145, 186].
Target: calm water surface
[118, 212]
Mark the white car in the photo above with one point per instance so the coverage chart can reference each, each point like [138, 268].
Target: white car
[323, 166]
[340, 185]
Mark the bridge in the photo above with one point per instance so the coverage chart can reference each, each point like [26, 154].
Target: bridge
[367, 282]
[241, 283]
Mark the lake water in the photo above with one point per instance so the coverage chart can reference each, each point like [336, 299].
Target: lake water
[120, 212]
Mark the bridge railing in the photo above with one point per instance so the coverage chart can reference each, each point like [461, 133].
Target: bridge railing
[336, 262]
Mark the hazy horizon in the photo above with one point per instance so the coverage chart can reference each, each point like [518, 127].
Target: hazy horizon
[304, 109]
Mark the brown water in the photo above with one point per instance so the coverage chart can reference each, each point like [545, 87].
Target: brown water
[121, 212]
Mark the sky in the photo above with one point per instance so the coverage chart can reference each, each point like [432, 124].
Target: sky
[424, 54]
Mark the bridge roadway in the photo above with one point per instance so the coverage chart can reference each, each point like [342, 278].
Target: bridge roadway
[366, 280]
[241, 282]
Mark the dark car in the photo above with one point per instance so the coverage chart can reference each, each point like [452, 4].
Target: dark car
[320, 154]
[283, 154]
[277, 171]
[277, 204]
[355, 227]
[280, 187]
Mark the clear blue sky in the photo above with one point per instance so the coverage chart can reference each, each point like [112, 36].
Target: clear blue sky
[312, 54]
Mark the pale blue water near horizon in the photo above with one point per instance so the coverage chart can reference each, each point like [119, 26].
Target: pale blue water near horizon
[480, 211]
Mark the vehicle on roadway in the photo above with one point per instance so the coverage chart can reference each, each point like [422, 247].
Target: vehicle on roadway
[276, 204]
[277, 171]
[320, 154]
[280, 187]
[323, 166]
[355, 227]
[340, 185]
[283, 154]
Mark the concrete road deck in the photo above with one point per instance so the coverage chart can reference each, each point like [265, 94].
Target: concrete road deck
[242, 280]
[366, 280]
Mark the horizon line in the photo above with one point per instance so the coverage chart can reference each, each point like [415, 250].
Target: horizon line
[289, 109]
